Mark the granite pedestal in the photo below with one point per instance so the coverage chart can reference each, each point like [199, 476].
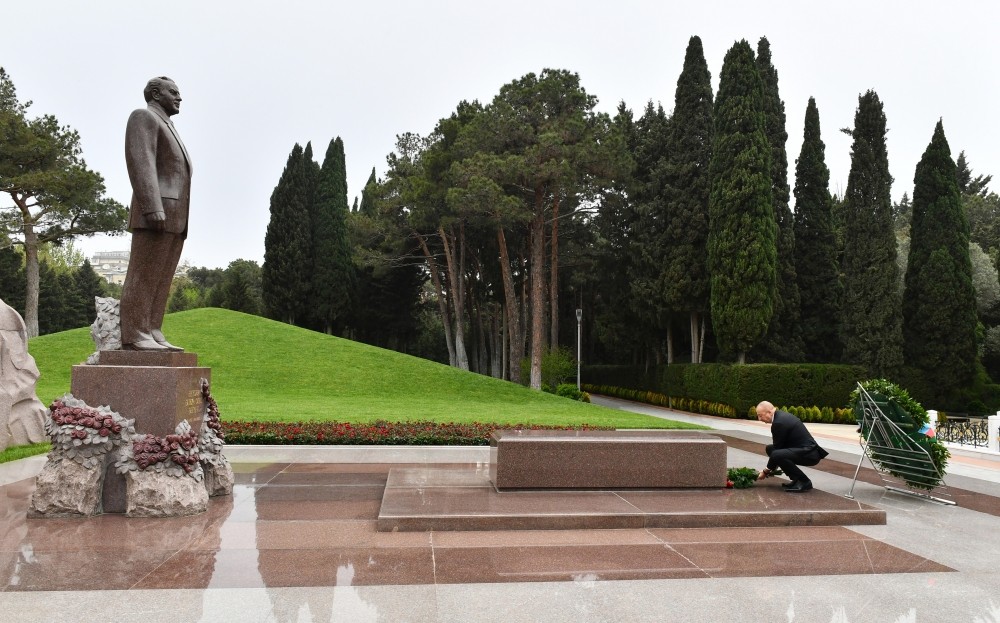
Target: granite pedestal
[542, 459]
[157, 389]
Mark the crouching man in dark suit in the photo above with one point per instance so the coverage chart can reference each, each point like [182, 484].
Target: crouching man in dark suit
[793, 446]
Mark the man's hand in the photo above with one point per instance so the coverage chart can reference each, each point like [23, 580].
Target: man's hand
[158, 220]
[764, 473]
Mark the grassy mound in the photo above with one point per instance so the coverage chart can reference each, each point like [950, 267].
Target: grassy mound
[269, 371]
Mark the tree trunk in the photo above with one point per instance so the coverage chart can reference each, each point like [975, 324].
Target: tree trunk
[31, 272]
[504, 345]
[695, 346]
[670, 343]
[701, 340]
[511, 307]
[554, 277]
[457, 298]
[537, 290]
[442, 301]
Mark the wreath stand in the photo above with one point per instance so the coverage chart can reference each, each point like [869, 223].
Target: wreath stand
[896, 457]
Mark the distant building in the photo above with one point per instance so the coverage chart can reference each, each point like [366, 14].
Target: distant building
[112, 265]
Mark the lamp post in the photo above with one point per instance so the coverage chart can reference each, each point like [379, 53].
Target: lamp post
[579, 342]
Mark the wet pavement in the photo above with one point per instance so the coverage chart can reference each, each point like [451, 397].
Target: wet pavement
[299, 540]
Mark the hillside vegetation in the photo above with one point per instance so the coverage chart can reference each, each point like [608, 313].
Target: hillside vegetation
[269, 371]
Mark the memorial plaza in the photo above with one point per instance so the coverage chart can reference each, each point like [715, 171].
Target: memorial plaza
[418, 534]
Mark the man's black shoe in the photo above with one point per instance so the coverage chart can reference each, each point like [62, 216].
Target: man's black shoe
[789, 484]
[800, 486]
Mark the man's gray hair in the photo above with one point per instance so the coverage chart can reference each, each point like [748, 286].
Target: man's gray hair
[154, 84]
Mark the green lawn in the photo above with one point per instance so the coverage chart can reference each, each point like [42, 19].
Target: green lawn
[20, 452]
[270, 371]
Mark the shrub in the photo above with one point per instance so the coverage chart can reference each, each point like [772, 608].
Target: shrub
[558, 366]
[568, 390]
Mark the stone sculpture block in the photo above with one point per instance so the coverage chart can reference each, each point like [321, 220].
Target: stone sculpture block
[64, 488]
[157, 494]
[22, 414]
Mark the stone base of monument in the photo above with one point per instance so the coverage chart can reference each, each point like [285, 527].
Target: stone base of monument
[157, 389]
[559, 459]
[155, 494]
[219, 479]
[64, 488]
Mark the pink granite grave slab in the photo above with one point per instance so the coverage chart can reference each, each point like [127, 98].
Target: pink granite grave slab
[544, 459]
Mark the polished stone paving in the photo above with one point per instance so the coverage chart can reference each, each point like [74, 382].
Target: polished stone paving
[298, 541]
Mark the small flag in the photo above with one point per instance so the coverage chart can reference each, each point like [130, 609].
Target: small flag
[926, 430]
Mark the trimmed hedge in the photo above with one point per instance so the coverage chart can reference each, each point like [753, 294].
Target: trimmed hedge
[740, 386]
[828, 415]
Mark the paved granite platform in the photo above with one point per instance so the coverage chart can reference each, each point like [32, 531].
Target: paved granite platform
[418, 499]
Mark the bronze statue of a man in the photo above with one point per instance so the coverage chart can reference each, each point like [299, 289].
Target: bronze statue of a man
[160, 171]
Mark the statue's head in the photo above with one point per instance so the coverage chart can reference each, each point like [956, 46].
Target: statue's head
[164, 92]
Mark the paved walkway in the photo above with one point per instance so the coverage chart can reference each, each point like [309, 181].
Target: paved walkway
[296, 542]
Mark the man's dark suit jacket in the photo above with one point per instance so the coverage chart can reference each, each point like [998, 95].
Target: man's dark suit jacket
[788, 432]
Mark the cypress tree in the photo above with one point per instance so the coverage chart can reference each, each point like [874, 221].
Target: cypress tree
[872, 319]
[684, 268]
[939, 302]
[332, 268]
[784, 339]
[742, 252]
[816, 267]
[287, 253]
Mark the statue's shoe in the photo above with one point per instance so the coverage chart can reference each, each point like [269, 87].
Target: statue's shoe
[162, 341]
[146, 345]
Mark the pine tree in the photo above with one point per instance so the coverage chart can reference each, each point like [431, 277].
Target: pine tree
[332, 268]
[784, 339]
[967, 184]
[872, 320]
[287, 253]
[646, 242]
[939, 303]
[684, 278]
[816, 268]
[742, 252]
[367, 205]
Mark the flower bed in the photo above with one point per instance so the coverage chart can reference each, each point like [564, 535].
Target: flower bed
[374, 433]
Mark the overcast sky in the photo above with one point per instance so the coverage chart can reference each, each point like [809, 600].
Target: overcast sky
[259, 76]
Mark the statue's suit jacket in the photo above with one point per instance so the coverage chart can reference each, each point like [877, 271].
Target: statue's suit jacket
[159, 169]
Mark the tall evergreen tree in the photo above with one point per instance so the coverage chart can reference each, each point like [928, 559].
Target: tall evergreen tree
[367, 205]
[12, 278]
[287, 253]
[240, 287]
[967, 184]
[332, 283]
[784, 338]
[872, 320]
[742, 252]
[647, 240]
[817, 270]
[684, 278]
[939, 303]
[88, 285]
